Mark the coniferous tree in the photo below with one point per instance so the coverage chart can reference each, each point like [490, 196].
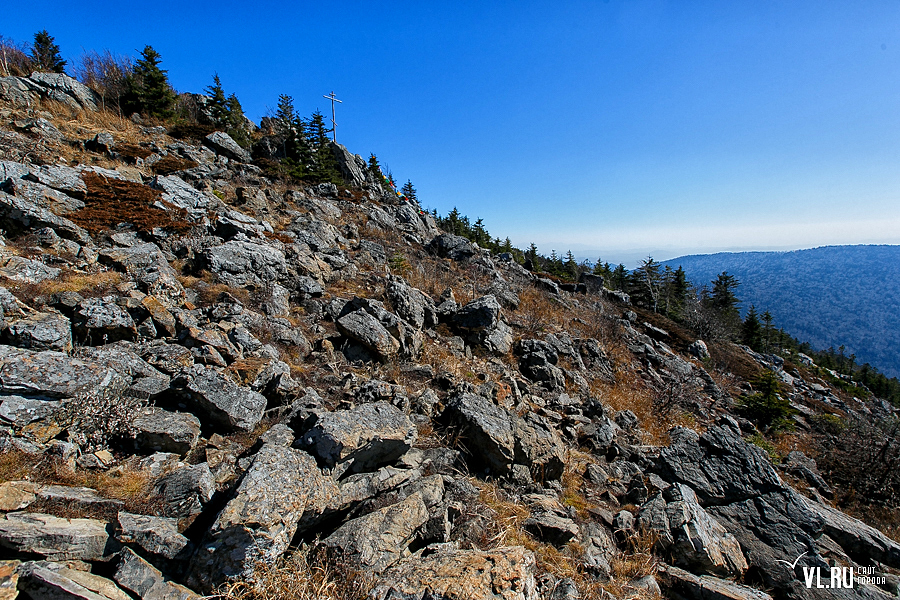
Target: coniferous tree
[751, 329]
[619, 279]
[217, 104]
[724, 302]
[148, 89]
[409, 191]
[45, 54]
[767, 329]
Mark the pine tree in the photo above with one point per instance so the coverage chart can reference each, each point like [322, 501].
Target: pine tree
[724, 302]
[375, 168]
[619, 277]
[571, 266]
[409, 191]
[148, 87]
[217, 104]
[750, 330]
[45, 54]
[767, 329]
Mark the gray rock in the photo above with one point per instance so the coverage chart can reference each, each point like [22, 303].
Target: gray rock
[54, 375]
[186, 489]
[77, 498]
[221, 143]
[593, 284]
[240, 263]
[361, 439]
[25, 269]
[159, 430]
[219, 402]
[411, 304]
[59, 177]
[862, 543]
[362, 327]
[146, 582]
[451, 246]
[498, 439]
[798, 464]
[699, 350]
[27, 91]
[22, 411]
[352, 166]
[175, 191]
[18, 214]
[101, 321]
[53, 580]
[478, 315]
[506, 573]
[41, 195]
[379, 539]
[281, 487]
[146, 265]
[41, 331]
[551, 528]
[55, 538]
[155, 535]
[709, 588]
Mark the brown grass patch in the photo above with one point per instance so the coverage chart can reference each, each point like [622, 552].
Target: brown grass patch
[306, 574]
[133, 151]
[89, 285]
[172, 164]
[190, 131]
[109, 202]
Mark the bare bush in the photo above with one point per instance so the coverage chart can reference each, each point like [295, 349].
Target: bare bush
[14, 60]
[99, 418]
[106, 74]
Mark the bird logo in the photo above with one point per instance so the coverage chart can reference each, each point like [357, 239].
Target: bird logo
[791, 566]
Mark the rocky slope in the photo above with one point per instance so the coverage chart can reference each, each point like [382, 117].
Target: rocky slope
[216, 382]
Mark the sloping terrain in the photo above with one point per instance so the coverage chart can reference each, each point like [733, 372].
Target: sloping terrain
[265, 389]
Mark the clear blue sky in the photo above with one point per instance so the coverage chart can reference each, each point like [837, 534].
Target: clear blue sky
[615, 129]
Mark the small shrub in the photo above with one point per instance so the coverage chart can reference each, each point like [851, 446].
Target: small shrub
[767, 408]
[758, 440]
[98, 419]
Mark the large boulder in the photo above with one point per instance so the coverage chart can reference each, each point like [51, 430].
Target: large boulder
[219, 402]
[177, 193]
[18, 215]
[185, 490]
[221, 143]
[451, 246]
[380, 332]
[361, 439]
[155, 535]
[146, 264]
[55, 580]
[27, 91]
[101, 320]
[706, 587]
[281, 487]
[146, 582]
[353, 167]
[506, 573]
[496, 439]
[54, 375]
[410, 303]
[240, 263]
[41, 331]
[158, 430]
[378, 540]
[55, 538]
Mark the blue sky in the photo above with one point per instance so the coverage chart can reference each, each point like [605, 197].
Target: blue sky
[613, 128]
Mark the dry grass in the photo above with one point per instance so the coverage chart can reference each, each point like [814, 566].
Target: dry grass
[87, 284]
[125, 482]
[209, 291]
[539, 313]
[303, 575]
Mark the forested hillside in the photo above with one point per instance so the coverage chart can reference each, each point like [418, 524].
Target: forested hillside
[829, 296]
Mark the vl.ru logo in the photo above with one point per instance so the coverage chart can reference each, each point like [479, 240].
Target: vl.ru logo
[835, 577]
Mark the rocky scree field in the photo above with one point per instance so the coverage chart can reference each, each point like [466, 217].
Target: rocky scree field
[214, 383]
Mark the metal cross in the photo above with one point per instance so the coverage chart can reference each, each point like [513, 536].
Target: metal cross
[333, 122]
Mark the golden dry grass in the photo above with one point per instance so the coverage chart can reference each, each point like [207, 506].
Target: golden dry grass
[86, 284]
[303, 575]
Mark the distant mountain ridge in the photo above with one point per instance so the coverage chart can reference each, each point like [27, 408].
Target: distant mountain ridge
[827, 296]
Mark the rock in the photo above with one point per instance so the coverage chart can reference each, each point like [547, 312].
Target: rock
[25, 269]
[451, 246]
[708, 588]
[478, 315]
[186, 489]
[54, 375]
[551, 528]
[239, 263]
[55, 538]
[368, 331]
[221, 143]
[155, 535]
[379, 539]
[159, 430]
[627, 420]
[146, 582]
[220, 402]
[41, 331]
[178, 193]
[505, 573]
[77, 498]
[16, 495]
[700, 543]
[281, 487]
[862, 543]
[699, 350]
[798, 464]
[101, 320]
[18, 214]
[52, 580]
[498, 439]
[57, 202]
[361, 439]
[593, 284]
[101, 143]
[27, 91]
[353, 167]
[147, 265]
[411, 304]
[163, 321]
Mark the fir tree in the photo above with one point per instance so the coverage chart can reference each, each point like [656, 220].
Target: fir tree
[217, 104]
[409, 191]
[45, 54]
[750, 330]
[148, 87]
[375, 168]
